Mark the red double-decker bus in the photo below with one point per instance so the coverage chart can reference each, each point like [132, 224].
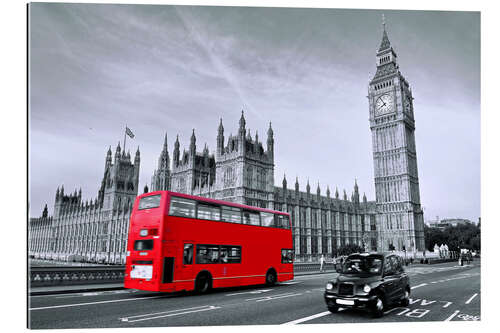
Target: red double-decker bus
[183, 242]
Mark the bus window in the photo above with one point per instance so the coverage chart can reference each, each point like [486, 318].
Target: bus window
[231, 214]
[281, 221]
[143, 245]
[207, 254]
[188, 254]
[286, 256]
[230, 254]
[234, 254]
[152, 201]
[182, 207]
[267, 219]
[207, 212]
[251, 218]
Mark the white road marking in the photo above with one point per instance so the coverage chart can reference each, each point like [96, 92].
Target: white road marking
[470, 299]
[268, 298]
[301, 320]
[251, 292]
[452, 316]
[289, 283]
[92, 303]
[420, 285]
[170, 313]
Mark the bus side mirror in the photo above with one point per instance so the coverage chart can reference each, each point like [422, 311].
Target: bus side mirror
[338, 268]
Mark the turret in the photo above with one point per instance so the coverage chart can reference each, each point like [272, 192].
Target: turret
[308, 187]
[117, 152]
[355, 195]
[176, 151]
[192, 146]
[242, 130]
[57, 194]
[318, 191]
[284, 182]
[205, 156]
[137, 158]
[336, 192]
[297, 184]
[108, 157]
[364, 198]
[270, 141]
[220, 139]
[345, 196]
[328, 192]
[45, 212]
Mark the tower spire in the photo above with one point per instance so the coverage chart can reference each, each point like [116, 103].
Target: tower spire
[385, 44]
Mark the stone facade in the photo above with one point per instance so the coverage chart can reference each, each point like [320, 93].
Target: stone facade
[242, 171]
[93, 231]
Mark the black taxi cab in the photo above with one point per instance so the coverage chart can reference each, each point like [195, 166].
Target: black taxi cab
[368, 281]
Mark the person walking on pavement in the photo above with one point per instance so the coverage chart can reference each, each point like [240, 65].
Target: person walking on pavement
[321, 263]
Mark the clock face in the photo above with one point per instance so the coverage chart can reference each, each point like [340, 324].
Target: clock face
[383, 104]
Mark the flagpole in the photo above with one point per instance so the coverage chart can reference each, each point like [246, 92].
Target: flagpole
[125, 138]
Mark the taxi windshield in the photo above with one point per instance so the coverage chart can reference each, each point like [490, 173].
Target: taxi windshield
[363, 265]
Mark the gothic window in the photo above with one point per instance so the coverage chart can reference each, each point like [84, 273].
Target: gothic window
[182, 185]
[229, 177]
[314, 242]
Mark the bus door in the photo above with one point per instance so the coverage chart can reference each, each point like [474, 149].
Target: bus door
[187, 257]
[168, 261]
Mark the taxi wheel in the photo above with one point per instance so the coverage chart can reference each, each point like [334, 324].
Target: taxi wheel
[406, 299]
[378, 307]
[333, 309]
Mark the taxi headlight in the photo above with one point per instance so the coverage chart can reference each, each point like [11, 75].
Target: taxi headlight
[329, 286]
[367, 288]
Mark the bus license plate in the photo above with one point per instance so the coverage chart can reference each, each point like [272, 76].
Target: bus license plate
[142, 272]
[345, 302]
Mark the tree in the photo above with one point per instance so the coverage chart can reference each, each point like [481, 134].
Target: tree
[456, 237]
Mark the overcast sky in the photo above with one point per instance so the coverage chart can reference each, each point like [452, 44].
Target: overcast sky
[96, 68]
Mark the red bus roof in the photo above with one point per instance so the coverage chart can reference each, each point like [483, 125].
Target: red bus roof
[214, 201]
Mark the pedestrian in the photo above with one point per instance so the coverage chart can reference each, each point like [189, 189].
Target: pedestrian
[321, 263]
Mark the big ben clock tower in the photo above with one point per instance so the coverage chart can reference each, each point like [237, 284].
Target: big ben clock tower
[399, 215]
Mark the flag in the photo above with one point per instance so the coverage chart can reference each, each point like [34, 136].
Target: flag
[129, 132]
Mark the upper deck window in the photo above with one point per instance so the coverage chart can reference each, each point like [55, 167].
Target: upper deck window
[182, 207]
[282, 221]
[152, 201]
[252, 218]
[267, 219]
[231, 214]
[208, 212]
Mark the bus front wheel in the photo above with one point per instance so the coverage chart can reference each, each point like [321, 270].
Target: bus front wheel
[203, 283]
[271, 277]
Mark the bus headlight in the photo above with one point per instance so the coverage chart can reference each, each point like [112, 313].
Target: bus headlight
[367, 288]
[143, 232]
[329, 286]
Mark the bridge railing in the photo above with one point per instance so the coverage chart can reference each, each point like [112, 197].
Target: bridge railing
[62, 276]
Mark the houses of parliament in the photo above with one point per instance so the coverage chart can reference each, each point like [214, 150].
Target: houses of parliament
[242, 170]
